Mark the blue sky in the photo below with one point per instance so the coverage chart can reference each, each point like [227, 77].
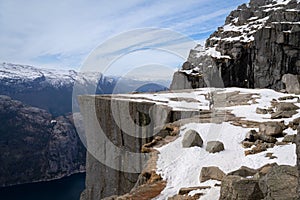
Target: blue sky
[62, 33]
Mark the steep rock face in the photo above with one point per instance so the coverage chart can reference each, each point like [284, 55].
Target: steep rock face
[118, 117]
[35, 146]
[258, 44]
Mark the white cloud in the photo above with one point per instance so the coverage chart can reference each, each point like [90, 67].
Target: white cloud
[62, 32]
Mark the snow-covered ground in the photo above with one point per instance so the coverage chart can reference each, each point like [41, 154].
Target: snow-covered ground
[181, 167]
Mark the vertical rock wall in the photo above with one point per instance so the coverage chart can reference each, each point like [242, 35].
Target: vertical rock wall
[122, 121]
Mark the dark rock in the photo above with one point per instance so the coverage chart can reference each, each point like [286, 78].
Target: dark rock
[247, 144]
[214, 146]
[266, 48]
[192, 138]
[271, 128]
[283, 114]
[244, 172]
[252, 136]
[239, 188]
[32, 148]
[211, 172]
[286, 106]
[289, 138]
[261, 111]
[187, 66]
[268, 139]
[280, 183]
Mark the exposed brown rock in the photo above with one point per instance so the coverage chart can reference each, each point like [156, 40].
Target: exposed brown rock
[211, 172]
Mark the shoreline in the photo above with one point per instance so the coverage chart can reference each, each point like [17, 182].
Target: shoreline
[44, 180]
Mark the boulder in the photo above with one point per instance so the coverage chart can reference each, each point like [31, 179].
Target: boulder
[191, 138]
[261, 111]
[280, 183]
[268, 139]
[289, 138]
[212, 172]
[283, 114]
[244, 172]
[266, 168]
[247, 144]
[271, 128]
[286, 106]
[187, 66]
[214, 146]
[251, 136]
[292, 83]
[238, 188]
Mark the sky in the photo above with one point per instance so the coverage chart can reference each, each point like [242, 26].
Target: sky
[64, 33]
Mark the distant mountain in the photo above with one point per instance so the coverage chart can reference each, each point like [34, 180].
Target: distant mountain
[151, 87]
[52, 89]
[35, 146]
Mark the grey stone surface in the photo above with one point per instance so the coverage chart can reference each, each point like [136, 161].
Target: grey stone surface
[127, 125]
[214, 146]
[292, 83]
[192, 138]
[238, 188]
[271, 128]
[258, 63]
[272, 182]
[244, 172]
[212, 172]
[280, 182]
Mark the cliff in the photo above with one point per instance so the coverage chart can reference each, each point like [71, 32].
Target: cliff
[256, 46]
[123, 124]
[256, 127]
[35, 146]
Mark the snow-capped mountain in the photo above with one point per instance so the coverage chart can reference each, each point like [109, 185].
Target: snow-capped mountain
[256, 46]
[52, 89]
[18, 74]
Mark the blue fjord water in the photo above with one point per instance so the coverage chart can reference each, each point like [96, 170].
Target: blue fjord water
[67, 188]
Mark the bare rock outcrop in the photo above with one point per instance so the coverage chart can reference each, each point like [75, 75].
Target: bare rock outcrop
[257, 47]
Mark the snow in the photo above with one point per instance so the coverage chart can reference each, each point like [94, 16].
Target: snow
[216, 54]
[277, 3]
[181, 167]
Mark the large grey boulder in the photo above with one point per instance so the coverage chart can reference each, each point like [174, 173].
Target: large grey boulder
[271, 128]
[280, 183]
[244, 172]
[211, 172]
[214, 146]
[192, 138]
[292, 83]
[286, 106]
[238, 188]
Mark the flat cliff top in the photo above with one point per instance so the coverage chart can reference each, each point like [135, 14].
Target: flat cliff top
[192, 100]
